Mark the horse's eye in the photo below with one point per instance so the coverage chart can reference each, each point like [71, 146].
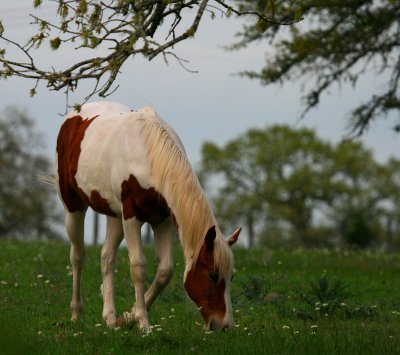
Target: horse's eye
[213, 276]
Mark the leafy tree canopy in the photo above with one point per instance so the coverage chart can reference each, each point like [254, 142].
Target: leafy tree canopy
[339, 42]
[121, 28]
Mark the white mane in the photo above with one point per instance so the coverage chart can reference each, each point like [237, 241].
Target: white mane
[176, 181]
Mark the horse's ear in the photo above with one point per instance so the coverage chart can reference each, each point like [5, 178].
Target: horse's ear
[233, 238]
[210, 237]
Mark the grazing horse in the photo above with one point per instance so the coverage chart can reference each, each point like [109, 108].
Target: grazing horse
[132, 167]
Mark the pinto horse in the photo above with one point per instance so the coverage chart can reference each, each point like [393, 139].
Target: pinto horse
[132, 167]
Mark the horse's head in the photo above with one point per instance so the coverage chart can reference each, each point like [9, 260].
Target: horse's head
[208, 281]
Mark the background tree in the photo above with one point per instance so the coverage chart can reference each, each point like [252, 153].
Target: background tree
[269, 177]
[360, 193]
[27, 206]
[288, 184]
[339, 42]
[391, 186]
[119, 28]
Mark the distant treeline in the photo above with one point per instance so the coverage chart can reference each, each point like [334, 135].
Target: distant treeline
[290, 187]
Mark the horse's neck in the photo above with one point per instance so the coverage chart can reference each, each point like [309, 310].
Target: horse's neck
[176, 181]
[193, 217]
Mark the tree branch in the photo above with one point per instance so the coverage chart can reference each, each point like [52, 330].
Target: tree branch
[131, 27]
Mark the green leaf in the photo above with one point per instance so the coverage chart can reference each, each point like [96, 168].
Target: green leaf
[55, 43]
[64, 26]
[96, 63]
[62, 10]
[77, 107]
[268, 12]
[32, 92]
[262, 25]
[82, 8]
[270, 9]
[298, 14]
[37, 3]
[94, 42]
[1, 28]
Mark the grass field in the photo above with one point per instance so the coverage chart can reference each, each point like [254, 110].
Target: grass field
[285, 302]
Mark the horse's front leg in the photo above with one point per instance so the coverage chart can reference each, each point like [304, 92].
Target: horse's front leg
[164, 238]
[138, 273]
[108, 258]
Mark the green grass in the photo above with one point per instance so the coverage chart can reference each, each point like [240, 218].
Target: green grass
[275, 297]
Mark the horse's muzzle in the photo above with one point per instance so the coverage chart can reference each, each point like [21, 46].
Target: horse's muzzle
[214, 325]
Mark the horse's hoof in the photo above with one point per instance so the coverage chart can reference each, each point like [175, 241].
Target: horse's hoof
[110, 320]
[144, 327]
[124, 319]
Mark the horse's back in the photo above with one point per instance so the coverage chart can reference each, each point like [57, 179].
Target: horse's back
[103, 108]
[98, 149]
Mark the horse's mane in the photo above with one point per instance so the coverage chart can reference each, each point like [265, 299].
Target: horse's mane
[175, 179]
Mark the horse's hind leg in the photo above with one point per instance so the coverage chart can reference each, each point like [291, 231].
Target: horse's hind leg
[74, 224]
[108, 257]
[164, 238]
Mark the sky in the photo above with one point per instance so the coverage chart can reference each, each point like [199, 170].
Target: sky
[212, 105]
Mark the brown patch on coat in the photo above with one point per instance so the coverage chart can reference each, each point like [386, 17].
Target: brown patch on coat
[203, 288]
[147, 205]
[100, 204]
[68, 148]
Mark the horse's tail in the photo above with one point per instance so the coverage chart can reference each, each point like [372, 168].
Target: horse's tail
[46, 178]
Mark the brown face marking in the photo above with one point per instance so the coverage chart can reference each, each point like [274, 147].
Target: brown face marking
[147, 205]
[202, 287]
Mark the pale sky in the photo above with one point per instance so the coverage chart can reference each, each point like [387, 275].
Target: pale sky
[211, 105]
